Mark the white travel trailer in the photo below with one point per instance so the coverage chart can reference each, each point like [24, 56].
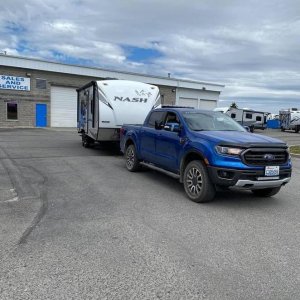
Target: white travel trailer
[289, 119]
[247, 117]
[104, 106]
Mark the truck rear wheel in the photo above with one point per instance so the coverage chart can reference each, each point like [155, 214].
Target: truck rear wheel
[132, 163]
[269, 192]
[197, 183]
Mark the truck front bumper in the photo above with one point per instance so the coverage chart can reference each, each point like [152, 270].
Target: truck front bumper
[254, 184]
[248, 179]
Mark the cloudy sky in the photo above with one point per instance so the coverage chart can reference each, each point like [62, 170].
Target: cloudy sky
[253, 47]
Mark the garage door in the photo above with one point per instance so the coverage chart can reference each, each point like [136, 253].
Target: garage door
[191, 102]
[63, 107]
[207, 104]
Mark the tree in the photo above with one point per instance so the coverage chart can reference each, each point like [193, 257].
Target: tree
[233, 105]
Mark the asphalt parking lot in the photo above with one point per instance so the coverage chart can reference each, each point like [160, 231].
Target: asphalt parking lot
[75, 224]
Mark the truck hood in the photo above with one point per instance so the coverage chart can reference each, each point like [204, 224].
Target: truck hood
[237, 138]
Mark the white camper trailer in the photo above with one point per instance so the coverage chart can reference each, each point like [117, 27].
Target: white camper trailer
[289, 119]
[104, 106]
[247, 117]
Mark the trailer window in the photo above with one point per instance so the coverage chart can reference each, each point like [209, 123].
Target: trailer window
[248, 116]
[258, 118]
[233, 116]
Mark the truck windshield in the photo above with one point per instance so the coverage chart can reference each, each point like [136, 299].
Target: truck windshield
[211, 121]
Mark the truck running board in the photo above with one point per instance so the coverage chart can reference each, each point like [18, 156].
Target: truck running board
[176, 176]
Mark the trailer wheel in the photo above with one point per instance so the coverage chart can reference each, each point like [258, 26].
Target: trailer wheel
[269, 192]
[132, 163]
[87, 141]
[197, 183]
[282, 129]
[297, 128]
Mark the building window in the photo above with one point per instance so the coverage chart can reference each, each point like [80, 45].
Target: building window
[12, 110]
[41, 84]
[248, 116]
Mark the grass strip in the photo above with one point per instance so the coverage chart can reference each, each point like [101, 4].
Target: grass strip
[295, 149]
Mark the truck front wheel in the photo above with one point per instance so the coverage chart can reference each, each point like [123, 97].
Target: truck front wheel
[269, 192]
[197, 183]
[132, 163]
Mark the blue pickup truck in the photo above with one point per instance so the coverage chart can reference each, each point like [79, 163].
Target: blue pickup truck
[206, 150]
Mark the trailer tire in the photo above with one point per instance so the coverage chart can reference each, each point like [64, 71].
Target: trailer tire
[282, 129]
[132, 162]
[297, 128]
[87, 142]
[268, 192]
[197, 183]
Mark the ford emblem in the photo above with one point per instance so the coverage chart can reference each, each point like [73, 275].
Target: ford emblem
[269, 157]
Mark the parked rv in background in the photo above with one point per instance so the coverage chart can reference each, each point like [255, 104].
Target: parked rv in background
[289, 119]
[104, 106]
[246, 117]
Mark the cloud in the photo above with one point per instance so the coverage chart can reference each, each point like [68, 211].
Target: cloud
[252, 47]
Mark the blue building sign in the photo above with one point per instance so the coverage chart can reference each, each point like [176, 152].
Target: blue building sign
[8, 82]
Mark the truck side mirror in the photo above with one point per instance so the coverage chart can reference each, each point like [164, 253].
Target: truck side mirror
[158, 125]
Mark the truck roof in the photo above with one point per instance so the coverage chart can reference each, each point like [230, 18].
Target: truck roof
[184, 109]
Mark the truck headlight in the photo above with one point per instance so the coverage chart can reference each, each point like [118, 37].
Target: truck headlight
[229, 150]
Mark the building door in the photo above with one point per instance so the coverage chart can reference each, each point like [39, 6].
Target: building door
[63, 107]
[207, 104]
[41, 115]
[189, 102]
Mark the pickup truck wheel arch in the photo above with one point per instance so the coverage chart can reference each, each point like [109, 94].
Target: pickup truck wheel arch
[128, 143]
[197, 183]
[187, 159]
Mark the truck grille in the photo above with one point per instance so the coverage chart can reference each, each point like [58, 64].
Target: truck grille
[265, 157]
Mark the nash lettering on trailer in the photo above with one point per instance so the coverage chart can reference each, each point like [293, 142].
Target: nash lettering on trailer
[127, 99]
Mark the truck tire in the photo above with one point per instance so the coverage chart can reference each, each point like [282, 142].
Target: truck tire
[197, 183]
[132, 163]
[268, 192]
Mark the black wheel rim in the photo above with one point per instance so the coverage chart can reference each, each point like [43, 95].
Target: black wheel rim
[194, 181]
[130, 158]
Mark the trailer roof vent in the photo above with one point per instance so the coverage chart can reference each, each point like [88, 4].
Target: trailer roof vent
[41, 84]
